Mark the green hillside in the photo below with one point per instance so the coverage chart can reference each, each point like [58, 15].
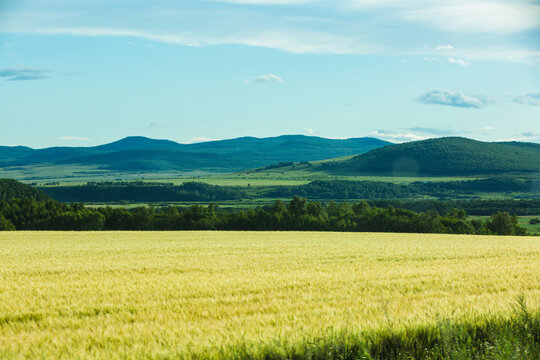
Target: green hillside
[450, 156]
[11, 189]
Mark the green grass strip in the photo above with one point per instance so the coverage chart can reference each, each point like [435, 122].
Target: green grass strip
[497, 337]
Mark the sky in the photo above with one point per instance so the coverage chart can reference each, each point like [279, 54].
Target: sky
[82, 73]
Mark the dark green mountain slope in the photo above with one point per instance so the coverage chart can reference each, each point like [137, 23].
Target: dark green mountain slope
[160, 160]
[444, 156]
[14, 152]
[11, 189]
[144, 154]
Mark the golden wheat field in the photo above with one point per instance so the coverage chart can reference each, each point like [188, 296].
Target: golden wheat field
[160, 294]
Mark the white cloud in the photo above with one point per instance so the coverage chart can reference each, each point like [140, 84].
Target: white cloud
[397, 136]
[482, 16]
[270, 78]
[74, 138]
[456, 99]
[460, 62]
[309, 131]
[487, 128]
[199, 139]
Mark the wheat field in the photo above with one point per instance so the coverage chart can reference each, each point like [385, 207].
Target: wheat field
[178, 294]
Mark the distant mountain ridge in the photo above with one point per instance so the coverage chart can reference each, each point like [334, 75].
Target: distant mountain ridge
[141, 154]
[448, 156]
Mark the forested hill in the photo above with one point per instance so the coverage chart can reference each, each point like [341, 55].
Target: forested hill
[143, 154]
[11, 189]
[443, 157]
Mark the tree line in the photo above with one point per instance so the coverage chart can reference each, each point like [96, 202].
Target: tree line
[346, 189]
[298, 214]
[319, 189]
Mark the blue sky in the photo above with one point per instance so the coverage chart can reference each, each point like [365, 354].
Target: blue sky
[80, 73]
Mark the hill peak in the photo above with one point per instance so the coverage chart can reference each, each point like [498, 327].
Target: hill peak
[445, 156]
[137, 142]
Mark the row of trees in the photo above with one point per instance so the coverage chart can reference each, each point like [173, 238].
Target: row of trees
[298, 214]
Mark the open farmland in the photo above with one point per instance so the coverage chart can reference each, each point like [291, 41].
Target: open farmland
[167, 294]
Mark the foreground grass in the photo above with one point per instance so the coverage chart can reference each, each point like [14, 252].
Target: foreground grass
[513, 337]
[267, 295]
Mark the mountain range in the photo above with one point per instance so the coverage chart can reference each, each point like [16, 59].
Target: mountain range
[447, 156]
[141, 154]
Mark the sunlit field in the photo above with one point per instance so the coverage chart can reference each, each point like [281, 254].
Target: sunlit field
[170, 294]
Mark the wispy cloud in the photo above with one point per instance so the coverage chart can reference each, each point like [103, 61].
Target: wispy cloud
[459, 62]
[528, 99]
[456, 99]
[265, 2]
[269, 78]
[158, 125]
[20, 73]
[528, 136]
[309, 131]
[444, 47]
[442, 131]
[393, 27]
[74, 138]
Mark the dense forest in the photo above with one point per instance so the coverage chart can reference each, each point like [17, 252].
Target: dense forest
[11, 189]
[344, 189]
[139, 191]
[298, 214]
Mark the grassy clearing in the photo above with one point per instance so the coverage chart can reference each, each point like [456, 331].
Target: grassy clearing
[524, 221]
[258, 179]
[169, 294]
[264, 175]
